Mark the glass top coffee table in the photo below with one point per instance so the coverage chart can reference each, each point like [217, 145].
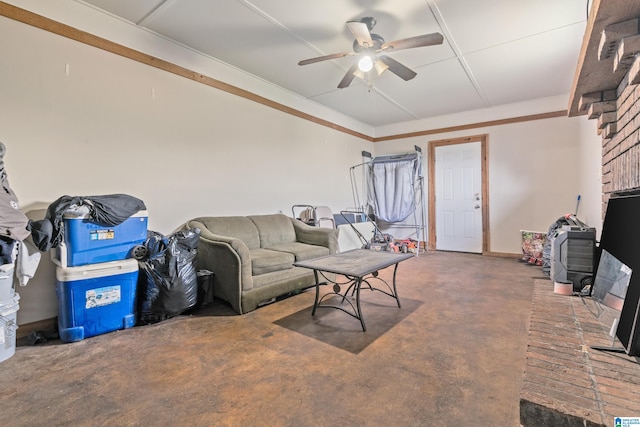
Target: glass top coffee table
[357, 266]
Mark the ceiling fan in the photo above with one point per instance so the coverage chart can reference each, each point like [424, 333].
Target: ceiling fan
[372, 48]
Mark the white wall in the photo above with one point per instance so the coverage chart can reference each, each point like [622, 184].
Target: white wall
[117, 126]
[535, 174]
[590, 181]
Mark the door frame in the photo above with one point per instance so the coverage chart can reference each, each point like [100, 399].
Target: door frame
[484, 172]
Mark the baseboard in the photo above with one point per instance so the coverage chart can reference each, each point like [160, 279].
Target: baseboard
[40, 325]
[502, 254]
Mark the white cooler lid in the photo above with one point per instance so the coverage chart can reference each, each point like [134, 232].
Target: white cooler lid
[92, 271]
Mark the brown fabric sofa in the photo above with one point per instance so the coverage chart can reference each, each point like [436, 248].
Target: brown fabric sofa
[252, 257]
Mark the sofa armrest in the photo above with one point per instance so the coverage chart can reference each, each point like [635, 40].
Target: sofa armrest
[320, 236]
[229, 260]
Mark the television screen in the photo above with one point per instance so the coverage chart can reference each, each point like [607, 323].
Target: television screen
[621, 238]
[611, 281]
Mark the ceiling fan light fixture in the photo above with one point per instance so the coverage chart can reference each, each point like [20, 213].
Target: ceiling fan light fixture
[381, 67]
[359, 74]
[365, 64]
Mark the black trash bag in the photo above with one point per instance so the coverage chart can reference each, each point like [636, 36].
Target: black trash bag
[168, 281]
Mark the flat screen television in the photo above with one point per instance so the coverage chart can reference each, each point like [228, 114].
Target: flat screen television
[611, 281]
[620, 237]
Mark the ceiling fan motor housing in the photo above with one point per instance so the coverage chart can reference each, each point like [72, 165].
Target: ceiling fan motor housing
[370, 21]
[377, 40]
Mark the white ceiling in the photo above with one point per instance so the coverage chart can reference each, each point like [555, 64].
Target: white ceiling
[495, 52]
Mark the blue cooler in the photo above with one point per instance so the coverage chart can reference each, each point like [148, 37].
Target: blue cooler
[96, 298]
[86, 242]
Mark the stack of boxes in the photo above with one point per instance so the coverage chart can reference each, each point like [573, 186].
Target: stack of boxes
[97, 275]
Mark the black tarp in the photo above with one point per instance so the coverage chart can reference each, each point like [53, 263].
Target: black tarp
[106, 210]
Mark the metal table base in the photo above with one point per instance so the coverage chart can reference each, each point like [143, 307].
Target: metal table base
[358, 266]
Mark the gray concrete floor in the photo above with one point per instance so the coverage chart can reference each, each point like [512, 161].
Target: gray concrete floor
[453, 355]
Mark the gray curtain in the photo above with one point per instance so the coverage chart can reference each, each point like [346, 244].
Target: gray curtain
[391, 193]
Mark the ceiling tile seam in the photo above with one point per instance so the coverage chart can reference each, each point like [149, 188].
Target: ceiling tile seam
[391, 101]
[527, 37]
[373, 88]
[286, 29]
[155, 12]
[105, 12]
[456, 50]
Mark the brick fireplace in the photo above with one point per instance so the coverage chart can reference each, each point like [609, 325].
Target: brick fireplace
[607, 89]
[621, 149]
[566, 381]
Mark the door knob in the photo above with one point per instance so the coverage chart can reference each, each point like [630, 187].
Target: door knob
[477, 206]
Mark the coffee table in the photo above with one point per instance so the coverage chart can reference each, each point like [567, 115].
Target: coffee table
[358, 266]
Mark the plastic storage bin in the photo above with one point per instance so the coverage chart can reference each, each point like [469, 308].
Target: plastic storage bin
[8, 326]
[96, 298]
[6, 281]
[86, 242]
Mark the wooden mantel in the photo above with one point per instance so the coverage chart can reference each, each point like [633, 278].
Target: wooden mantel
[593, 75]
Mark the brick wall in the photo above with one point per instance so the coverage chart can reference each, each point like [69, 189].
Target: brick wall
[566, 381]
[621, 141]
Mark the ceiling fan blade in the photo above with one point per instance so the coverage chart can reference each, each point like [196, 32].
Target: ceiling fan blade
[411, 42]
[397, 68]
[325, 58]
[348, 78]
[361, 33]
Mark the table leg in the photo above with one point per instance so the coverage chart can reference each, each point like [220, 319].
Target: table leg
[315, 304]
[395, 291]
[358, 283]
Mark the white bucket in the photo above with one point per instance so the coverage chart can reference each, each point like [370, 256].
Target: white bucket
[8, 326]
[6, 281]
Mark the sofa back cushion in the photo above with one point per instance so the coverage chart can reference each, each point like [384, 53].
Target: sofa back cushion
[238, 227]
[274, 229]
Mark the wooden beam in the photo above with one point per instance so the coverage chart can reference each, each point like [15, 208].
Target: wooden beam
[562, 113]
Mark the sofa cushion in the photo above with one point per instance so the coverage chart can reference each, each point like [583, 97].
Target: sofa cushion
[238, 227]
[274, 229]
[267, 261]
[302, 251]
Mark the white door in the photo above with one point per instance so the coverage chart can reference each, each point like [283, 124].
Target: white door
[458, 204]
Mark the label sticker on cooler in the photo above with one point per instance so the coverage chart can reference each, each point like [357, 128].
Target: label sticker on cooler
[102, 234]
[102, 296]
